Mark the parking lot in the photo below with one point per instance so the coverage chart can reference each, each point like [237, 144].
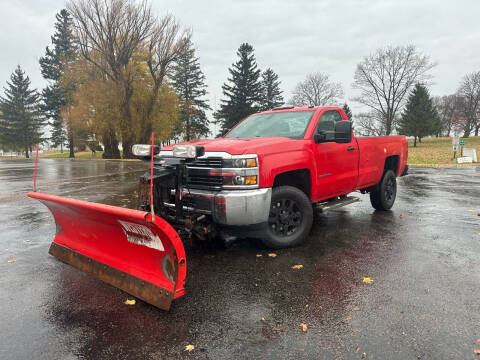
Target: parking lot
[423, 258]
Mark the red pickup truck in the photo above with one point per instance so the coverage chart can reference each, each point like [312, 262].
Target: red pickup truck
[265, 177]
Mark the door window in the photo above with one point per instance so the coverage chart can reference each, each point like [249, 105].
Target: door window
[327, 122]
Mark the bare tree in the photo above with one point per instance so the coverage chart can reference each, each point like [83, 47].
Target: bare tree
[316, 90]
[368, 124]
[167, 43]
[449, 110]
[469, 91]
[385, 77]
[108, 32]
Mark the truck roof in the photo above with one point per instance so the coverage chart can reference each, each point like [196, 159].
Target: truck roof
[300, 108]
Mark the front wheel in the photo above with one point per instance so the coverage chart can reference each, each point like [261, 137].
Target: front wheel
[384, 193]
[290, 218]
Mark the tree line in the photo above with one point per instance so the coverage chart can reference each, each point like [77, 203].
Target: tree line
[115, 72]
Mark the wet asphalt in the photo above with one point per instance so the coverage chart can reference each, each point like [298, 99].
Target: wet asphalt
[423, 258]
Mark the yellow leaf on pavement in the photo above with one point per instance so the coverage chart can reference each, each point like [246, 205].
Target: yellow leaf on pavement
[272, 255]
[189, 347]
[367, 280]
[297, 267]
[259, 255]
[304, 327]
[12, 260]
[130, 302]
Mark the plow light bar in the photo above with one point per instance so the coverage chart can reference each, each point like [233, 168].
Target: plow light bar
[144, 150]
[188, 151]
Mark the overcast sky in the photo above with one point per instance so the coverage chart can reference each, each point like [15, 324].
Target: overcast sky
[292, 37]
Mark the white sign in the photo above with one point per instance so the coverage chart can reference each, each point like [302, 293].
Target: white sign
[455, 147]
[471, 152]
[141, 235]
[464, 160]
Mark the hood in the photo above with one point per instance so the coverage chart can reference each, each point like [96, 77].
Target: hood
[238, 146]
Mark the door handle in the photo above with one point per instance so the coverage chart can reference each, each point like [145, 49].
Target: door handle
[350, 148]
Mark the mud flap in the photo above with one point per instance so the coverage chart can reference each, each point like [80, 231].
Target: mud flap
[120, 246]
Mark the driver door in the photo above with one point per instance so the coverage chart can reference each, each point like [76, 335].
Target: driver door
[336, 163]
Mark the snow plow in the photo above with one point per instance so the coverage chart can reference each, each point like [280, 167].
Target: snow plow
[129, 249]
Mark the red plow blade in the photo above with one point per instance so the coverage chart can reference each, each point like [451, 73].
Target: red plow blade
[120, 246]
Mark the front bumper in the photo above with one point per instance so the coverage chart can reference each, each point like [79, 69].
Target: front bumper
[231, 207]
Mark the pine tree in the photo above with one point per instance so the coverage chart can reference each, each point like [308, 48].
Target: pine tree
[188, 81]
[52, 66]
[347, 111]
[420, 117]
[22, 124]
[242, 91]
[271, 96]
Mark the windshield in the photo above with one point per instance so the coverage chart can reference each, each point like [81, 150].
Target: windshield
[290, 124]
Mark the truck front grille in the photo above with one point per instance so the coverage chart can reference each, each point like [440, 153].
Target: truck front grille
[210, 182]
[209, 162]
[201, 179]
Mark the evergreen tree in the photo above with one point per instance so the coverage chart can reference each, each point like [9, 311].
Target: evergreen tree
[188, 81]
[53, 66]
[22, 124]
[242, 91]
[420, 117]
[347, 111]
[271, 96]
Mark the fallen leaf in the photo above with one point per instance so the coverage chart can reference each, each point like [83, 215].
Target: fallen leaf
[47, 216]
[401, 216]
[471, 210]
[259, 255]
[130, 302]
[297, 267]
[478, 214]
[272, 255]
[263, 319]
[478, 340]
[12, 260]
[304, 327]
[357, 349]
[476, 351]
[356, 309]
[367, 280]
[189, 347]
[364, 355]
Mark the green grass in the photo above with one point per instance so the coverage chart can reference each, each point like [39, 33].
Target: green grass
[83, 155]
[437, 151]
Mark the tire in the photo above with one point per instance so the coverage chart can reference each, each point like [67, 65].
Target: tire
[290, 218]
[384, 193]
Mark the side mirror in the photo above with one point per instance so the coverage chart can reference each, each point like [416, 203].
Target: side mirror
[343, 131]
[319, 136]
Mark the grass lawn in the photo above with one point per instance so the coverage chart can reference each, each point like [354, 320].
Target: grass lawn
[437, 151]
[85, 155]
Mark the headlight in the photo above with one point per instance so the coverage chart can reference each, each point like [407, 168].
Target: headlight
[241, 163]
[144, 150]
[188, 151]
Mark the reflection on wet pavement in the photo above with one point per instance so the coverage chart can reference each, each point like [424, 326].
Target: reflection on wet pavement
[422, 257]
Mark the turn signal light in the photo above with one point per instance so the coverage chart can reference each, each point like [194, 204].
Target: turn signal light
[251, 180]
[251, 163]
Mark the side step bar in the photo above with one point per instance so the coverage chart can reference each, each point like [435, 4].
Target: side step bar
[336, 203]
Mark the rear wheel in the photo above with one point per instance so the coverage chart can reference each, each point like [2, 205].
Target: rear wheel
[290, 218]
[384, 193]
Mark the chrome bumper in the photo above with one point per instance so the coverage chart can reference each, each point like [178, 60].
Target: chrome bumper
[232, 207]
